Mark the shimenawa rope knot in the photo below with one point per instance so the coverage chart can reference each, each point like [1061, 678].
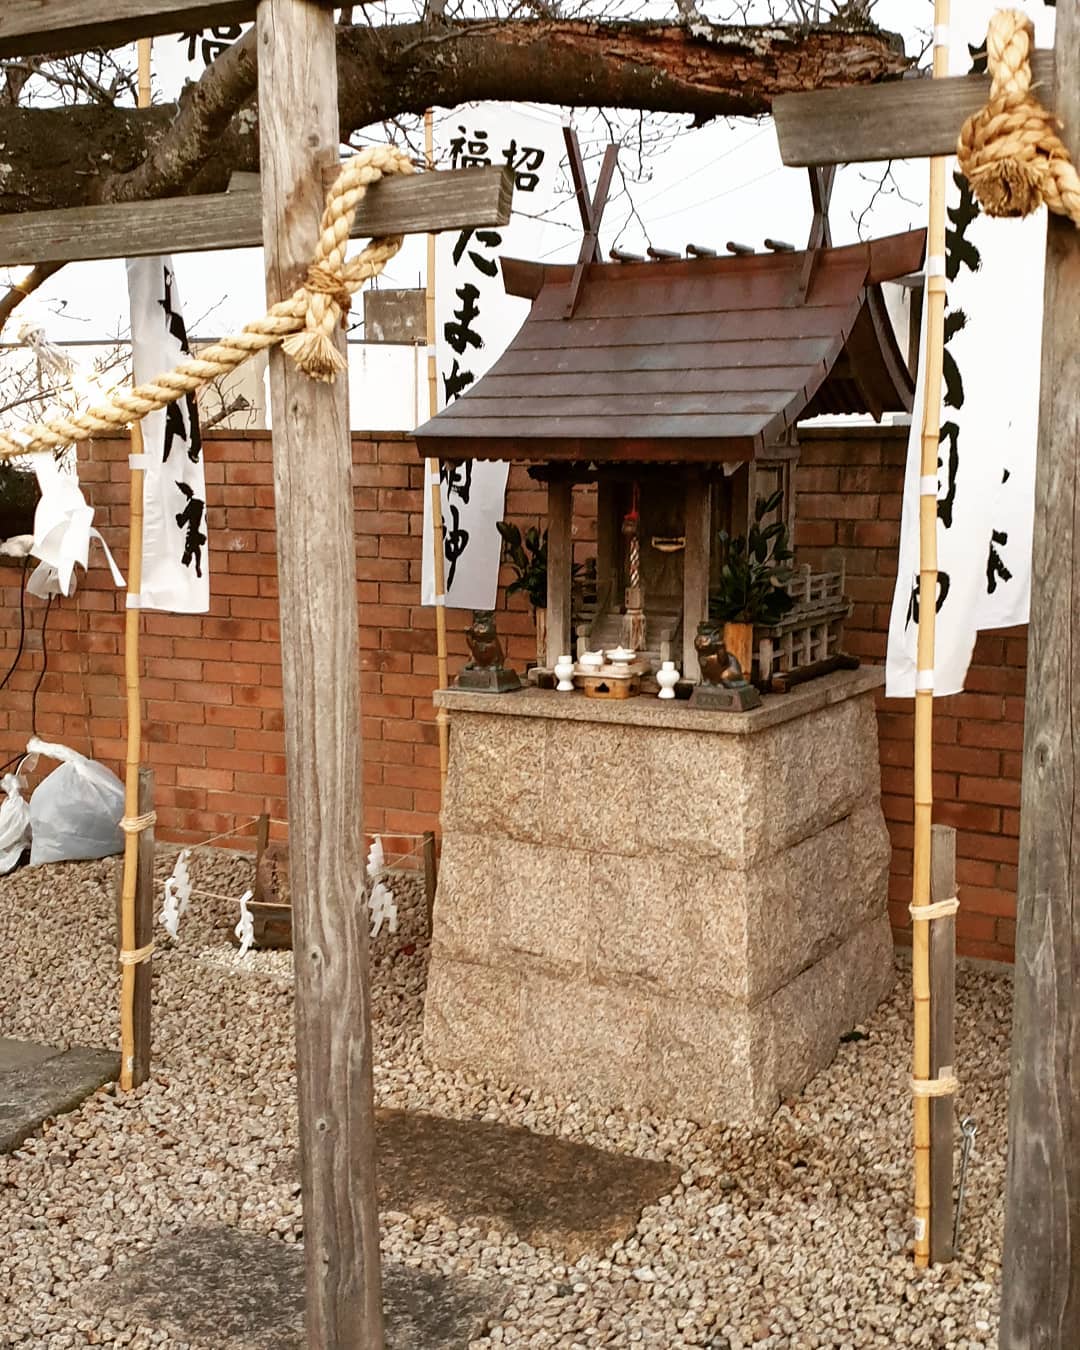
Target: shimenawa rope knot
[304, 323]
[1010, 151]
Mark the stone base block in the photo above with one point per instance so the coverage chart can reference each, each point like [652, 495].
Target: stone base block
[725, 698]
[667, 907]
[676, 923]
[703, 1060]
[489, 680]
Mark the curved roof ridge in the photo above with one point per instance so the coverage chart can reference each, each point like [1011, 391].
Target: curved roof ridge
[687, 359]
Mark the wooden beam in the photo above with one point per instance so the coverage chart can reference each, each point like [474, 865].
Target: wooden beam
[1040, 1299]
[298, 130]
[592, 212]
[31, 27]
[901, 119]
[821, 189]
[431, 878]
[942, 1042]
[697, 528]
[560, 565]
[415, 205]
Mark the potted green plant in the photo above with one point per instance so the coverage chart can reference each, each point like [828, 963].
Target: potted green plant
[527, 556]
[754, 578]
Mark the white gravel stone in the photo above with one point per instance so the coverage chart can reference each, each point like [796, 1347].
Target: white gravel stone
[793, 1237]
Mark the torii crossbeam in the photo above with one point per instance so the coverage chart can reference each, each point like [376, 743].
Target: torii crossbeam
[1041, 1274]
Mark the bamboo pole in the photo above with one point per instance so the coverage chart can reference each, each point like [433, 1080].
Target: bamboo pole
[924, 692]
[134, 718]
[144, 72]
[431, 476]
[131, 780]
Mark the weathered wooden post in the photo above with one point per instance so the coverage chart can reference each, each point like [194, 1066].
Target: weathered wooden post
[1040, 1307]
[298, 129]
[942, 1042]
[1041, 1270]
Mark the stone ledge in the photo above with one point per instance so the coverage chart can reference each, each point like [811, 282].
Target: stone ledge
[705, 1061]
[674, 923]
[637, 789]
[676, 715]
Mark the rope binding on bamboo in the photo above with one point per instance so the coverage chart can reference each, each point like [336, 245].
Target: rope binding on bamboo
[136, 824]
[935, 1087]
[1010, 151]
[304, 323]
[134, 956]
[940, 909]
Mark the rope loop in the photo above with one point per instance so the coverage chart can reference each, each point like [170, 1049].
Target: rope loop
[940, 909]
[136, 824]
[135, 956]
[305, 323]
[1010, 151]
[948, 1086]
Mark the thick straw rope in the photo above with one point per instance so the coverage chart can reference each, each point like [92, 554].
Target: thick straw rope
[304, 323]
[1009, 150]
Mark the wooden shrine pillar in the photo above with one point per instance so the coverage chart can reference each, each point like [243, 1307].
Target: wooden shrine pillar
[697, 527]
[560, 567]
[298, 134]
[1040, 1308]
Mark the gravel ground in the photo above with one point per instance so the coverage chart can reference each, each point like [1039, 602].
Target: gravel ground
[790, 1237]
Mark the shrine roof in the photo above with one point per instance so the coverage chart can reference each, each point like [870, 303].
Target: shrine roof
[693, 359]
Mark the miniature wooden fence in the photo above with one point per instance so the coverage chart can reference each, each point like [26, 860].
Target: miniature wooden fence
[810, 637]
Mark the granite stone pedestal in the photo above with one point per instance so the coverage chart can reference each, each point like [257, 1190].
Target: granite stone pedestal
[669, 907]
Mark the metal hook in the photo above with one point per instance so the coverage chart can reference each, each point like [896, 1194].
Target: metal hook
[968, 1131]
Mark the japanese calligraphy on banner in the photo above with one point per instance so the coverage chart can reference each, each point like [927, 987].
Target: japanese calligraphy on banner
[474, 322]
[181, 57]
[175, 574]
[986, 463]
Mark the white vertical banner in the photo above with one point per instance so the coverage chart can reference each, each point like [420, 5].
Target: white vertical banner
[175, 570]
[989, 424]
[178, 58]
[475, 320]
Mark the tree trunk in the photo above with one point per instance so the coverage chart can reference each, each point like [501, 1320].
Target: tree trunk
[75, 156]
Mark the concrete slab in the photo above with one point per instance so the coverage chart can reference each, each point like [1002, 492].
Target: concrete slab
[23, 1054]
[552, 1192]
[40, 1081]
[215, 1286]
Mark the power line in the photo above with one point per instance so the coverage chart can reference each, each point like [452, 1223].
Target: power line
[709, 164]
[717, 195]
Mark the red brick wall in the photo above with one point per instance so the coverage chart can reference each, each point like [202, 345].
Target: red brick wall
[849, 492]
[212, 684]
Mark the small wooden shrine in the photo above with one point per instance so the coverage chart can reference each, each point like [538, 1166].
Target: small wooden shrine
[676, 387]
[670, 905]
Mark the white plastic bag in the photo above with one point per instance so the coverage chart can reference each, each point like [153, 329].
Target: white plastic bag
[75, 812]
[14, 823]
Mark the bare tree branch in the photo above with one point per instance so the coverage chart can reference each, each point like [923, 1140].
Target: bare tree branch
[27, 286]
[72, 156]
